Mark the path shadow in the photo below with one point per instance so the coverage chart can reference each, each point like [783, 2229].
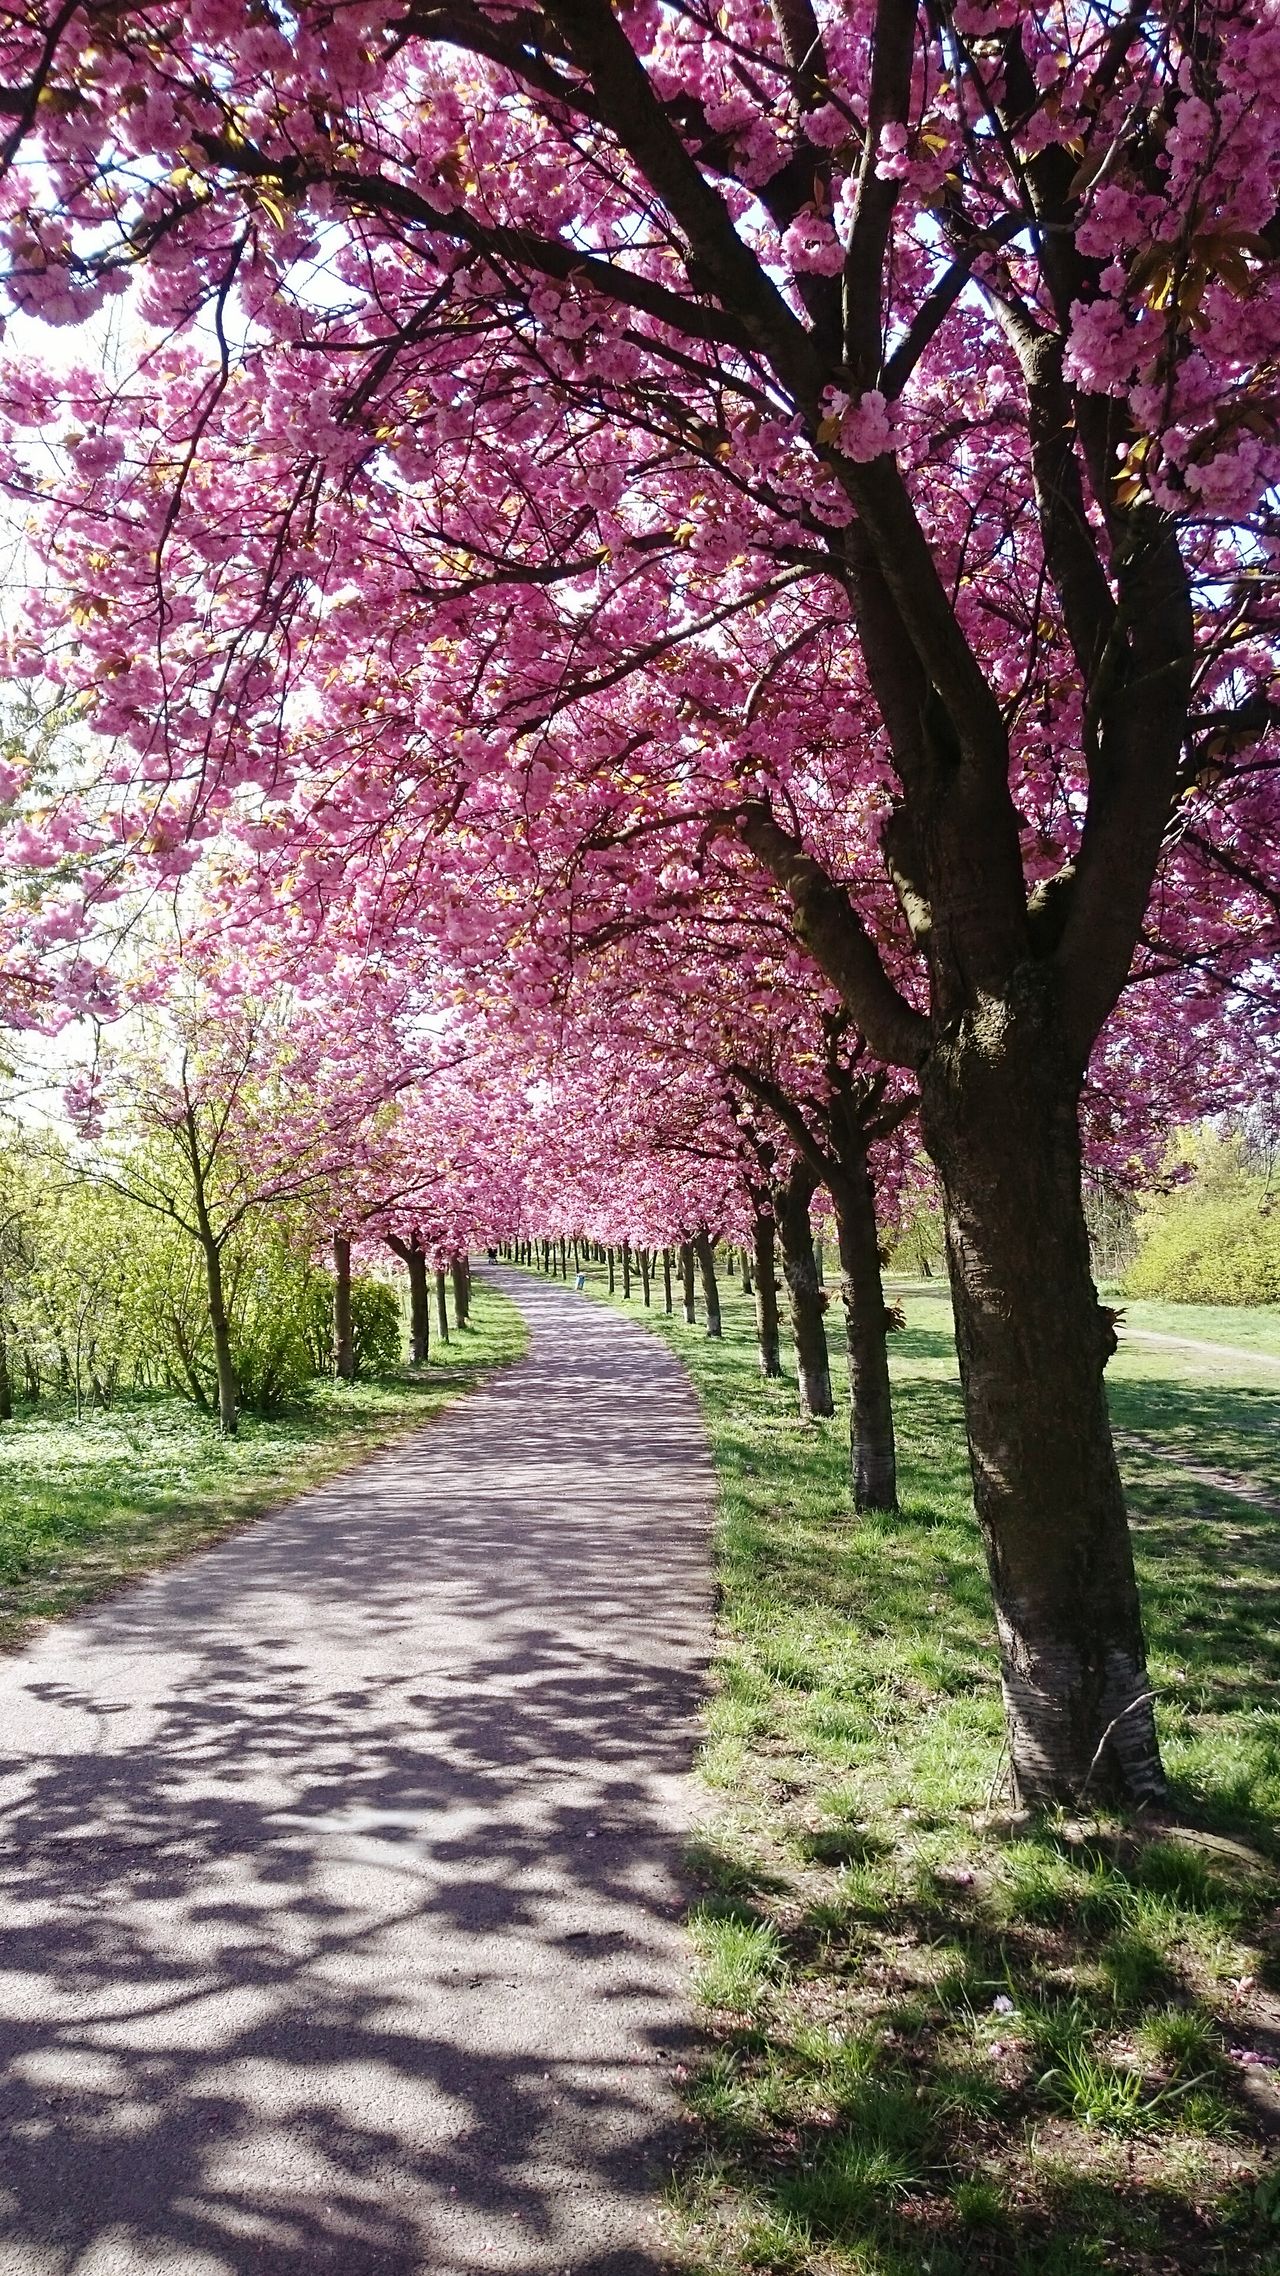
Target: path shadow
[341, 1865]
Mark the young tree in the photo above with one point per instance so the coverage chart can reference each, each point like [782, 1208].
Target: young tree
[189, 1127]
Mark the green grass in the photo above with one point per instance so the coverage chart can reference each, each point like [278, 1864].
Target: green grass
[941, 2039]
[84, 1506]
[1237, 1325]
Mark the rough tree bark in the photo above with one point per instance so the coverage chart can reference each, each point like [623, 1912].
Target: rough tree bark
[442, 1307]
[1003, 1127]
[668, 1305]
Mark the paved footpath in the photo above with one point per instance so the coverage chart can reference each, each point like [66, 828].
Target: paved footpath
[340, 1865]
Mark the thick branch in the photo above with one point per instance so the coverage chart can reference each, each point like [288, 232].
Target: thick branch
[1132, 785]
[839, 942]
[888, 103]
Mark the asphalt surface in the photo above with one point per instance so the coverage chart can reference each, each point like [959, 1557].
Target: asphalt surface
[340, 1865]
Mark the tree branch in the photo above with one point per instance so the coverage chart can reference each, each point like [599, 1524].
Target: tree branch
[839, 942]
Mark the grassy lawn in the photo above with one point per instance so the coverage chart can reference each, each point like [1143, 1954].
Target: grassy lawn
[84, 1506]
[1235, 1324]
[1217, 1413]
[943, 2040]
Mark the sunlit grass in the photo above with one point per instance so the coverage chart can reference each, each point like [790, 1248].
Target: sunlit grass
[972, 2042]
[85, 1505]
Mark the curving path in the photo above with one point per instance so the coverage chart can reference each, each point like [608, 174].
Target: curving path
[339, 1866]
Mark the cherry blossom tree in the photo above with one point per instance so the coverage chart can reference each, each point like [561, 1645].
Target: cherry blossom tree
[847, 430]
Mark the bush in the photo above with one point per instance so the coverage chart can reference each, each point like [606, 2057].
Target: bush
[377, 1333]
[269, 1288]
[1220, 1246]
[376, 1330]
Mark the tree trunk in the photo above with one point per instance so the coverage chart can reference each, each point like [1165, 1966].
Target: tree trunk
[643, 1255]
[704, 1250]
[419, 1307]
[442, 1307]
[611, 1278]
[748, 1274]
[228, 1401]
[461, 1274]
[688, 1266]
[667, 1304]
[411, 1256]
[763, 1242]
[228, 1404]
[792, 1197]
[1000, 1119]
[344, 1357]
[872, 1453]
[626, 1272]
[6, 1387]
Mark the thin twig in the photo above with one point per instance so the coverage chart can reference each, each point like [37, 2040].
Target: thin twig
[1000, 1763]
[1142, 1699]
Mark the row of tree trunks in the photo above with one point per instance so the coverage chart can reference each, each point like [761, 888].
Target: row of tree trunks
[793, 1197]
[688, 1270]
[764, 1273]
[460, 1272]
[1047, 1489]
[704, 1250]
[872, 1449]
[413, 1257]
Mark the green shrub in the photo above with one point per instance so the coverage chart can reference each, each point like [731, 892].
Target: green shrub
[1214, 1247]
[268, 1290]
[376, 1329]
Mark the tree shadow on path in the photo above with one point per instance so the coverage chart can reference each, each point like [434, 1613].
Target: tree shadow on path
[341, 1865]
